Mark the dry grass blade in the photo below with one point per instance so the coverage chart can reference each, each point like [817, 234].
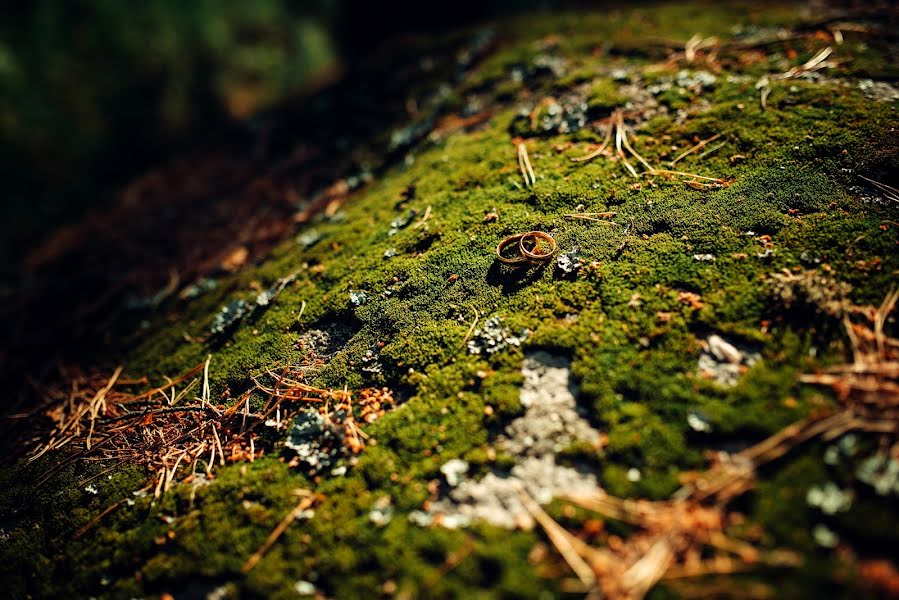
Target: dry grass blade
[684, 174]
[619, 137]
[627, 144]
[424, 218]
[474, 323]
[725, 565]
[697, 42]
[205, 397]
[713, 149]
[763, 97]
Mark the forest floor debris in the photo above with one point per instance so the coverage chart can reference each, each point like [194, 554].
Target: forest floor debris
[623, 149]
[676, 537]
[172, 426]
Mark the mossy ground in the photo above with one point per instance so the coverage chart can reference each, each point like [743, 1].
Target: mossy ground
[634, 343]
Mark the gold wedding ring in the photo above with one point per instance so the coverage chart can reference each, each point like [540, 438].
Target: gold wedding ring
[525, 254]
[512, 239]
[536, 236]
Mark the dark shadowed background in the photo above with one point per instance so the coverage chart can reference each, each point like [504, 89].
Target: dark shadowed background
[94, 91]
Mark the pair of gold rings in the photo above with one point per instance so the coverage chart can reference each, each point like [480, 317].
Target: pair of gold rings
[529, 246]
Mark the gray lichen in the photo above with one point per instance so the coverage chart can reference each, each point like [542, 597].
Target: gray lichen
[493, 337]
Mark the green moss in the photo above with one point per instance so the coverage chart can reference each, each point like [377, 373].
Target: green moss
[603, 96]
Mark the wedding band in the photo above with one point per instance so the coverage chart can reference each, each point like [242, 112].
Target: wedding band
[535, 256]
[512, 239]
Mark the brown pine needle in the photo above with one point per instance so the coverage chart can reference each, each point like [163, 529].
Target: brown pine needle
[306, 502]
[560, 539]
[627, 144]
[693, 149]
[683, 174]
[590, 217]
[598, 151]
[99, 399]
[673, 535]
[474, 324]
[90, 524]
[157, 430]
[524, 163]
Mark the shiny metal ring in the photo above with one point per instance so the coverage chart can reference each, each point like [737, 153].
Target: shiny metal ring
[512, 239]
[536, 256]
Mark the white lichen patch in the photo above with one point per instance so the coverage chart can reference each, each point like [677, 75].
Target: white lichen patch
[829, 498]
[724, 362]
[551, 423]
[493, 336]
[879, 90]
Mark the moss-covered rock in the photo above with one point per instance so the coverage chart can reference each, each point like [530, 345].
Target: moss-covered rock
[407, 263]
